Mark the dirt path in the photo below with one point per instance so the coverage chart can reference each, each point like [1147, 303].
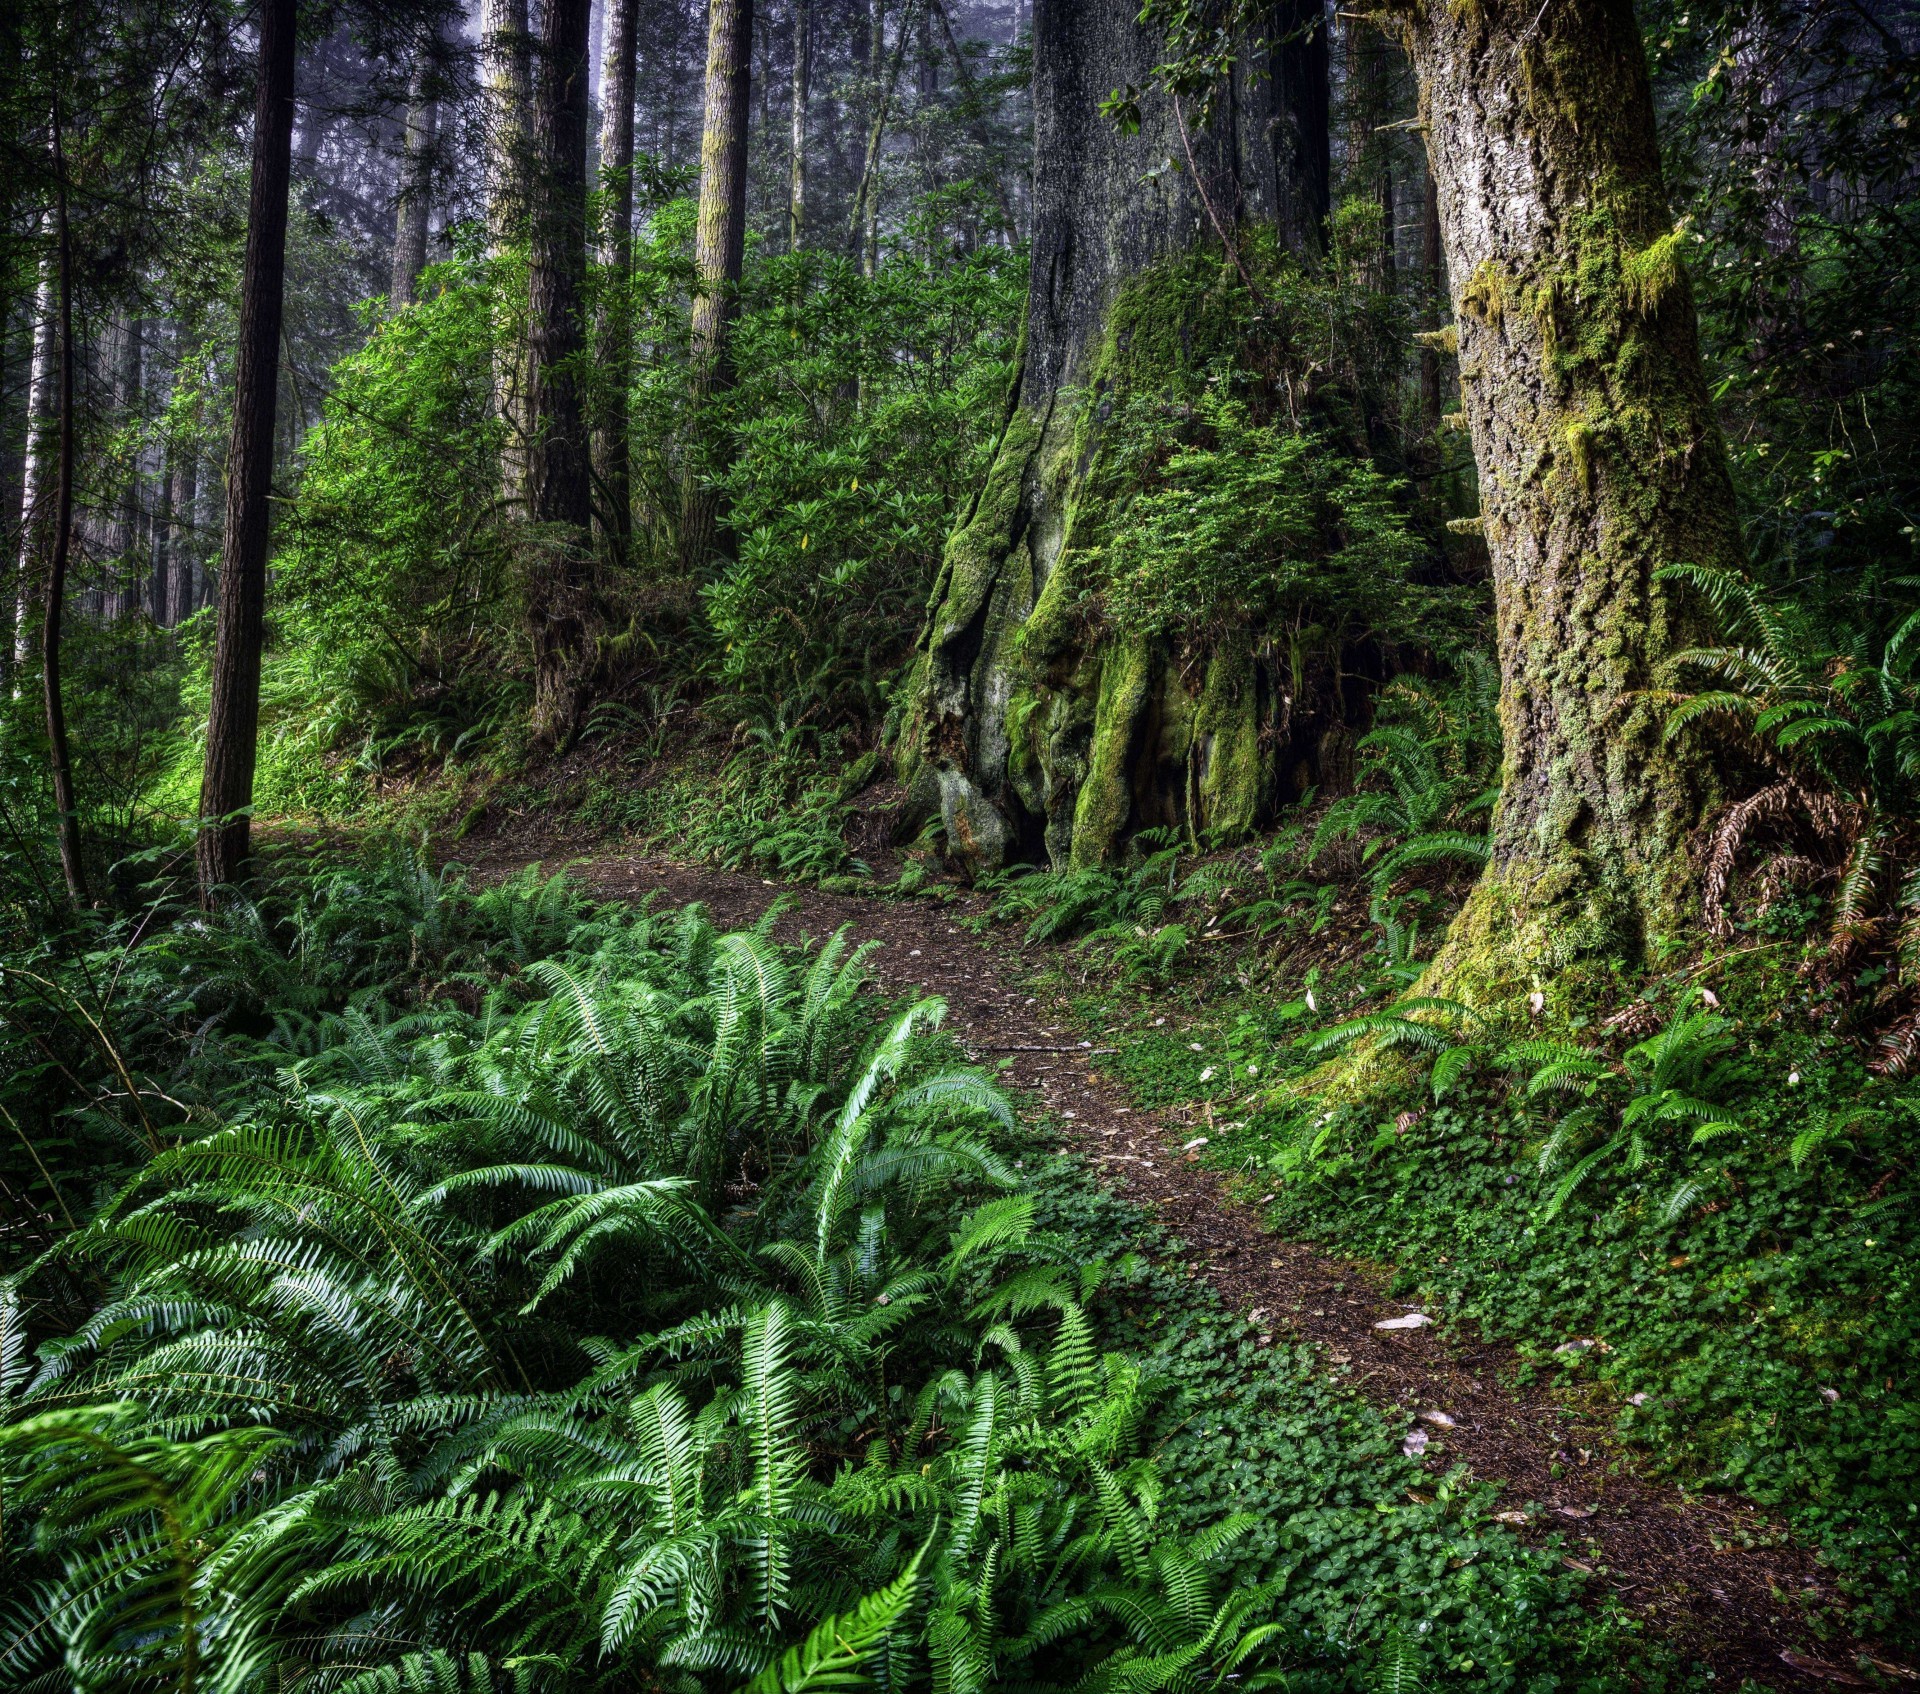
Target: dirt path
[1710, 1571]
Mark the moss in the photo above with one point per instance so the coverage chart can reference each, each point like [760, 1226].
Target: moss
[1651, 276]
[1580, 450]
[1104, 806]
[1229, 773]
[975, 551]
[1485, 296]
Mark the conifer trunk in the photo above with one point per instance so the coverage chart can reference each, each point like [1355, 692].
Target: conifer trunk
[414, 205]
[613, 329]
[233, 718]
[1029, 734]
[507, 70]
[1600, 461]
[718, 249]
[560, 495]
[59, 756]
[797, 124]
[42, 386]
[181, 498]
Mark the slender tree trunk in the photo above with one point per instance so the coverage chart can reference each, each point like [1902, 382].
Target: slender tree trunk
[1434, 279]
[560, 495]
[976, 115]
[867, 199]
[42, 395]
[718, 249]
[233, 718]
[1599, 460]
[182, 534]
[413, 208]
[613, 330]
[507, 70]
[119, 587]
[59, 757]
[1369, 155]
[160, 544]
[797, 128]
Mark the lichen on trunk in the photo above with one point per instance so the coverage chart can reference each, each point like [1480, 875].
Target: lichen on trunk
[1600, 461]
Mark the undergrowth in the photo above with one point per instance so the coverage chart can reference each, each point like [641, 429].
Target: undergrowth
[414, 1285]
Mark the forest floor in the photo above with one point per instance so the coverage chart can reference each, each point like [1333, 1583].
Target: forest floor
[1711, 1572]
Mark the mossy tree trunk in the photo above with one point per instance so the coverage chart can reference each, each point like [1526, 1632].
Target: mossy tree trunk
[1599, 462]
[1026, 731]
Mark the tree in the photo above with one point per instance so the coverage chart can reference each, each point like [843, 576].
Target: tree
[559, 494]
[797, 144]
[1600, 461]
[414, 204]
[718, 250]
[60, 757]
[1029, 729]
[42, 382]
[613, 331]
[507, 72]
[233, 716]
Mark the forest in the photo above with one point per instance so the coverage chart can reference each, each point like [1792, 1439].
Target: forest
[1043, 845]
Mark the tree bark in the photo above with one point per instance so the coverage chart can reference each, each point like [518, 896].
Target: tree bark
[797, 137]
[59, 756]
[233, 718]
[560, 490]
[613, 329]
[1600, 461]
[119, 567]
[718, 250]
[42, 396]
[413, 208]
[181, 532]
[507, 70]
[1030, 732]
[1434, 279]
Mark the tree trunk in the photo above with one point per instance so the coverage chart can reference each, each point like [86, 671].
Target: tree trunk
[613, 330]
[797, 139]
[120, 579]
[413, 206]
[1434, 279]
[1030, 731]
[42, 396]
[507, 70]
[59, 757]
[1599, 461]
[560, 489]
[182, 533]
[867, 199]
[233, 717]
[718, 248]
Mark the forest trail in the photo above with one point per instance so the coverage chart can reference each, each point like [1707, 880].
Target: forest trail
[1710, 1571]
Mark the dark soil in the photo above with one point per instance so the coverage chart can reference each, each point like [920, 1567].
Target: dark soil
[1710, 1571]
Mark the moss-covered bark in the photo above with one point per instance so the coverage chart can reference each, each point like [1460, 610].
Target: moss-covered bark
[1038, 728]
[1599, 460]
[1030, 730]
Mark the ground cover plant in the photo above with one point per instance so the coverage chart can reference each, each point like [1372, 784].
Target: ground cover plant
[574, 1293]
